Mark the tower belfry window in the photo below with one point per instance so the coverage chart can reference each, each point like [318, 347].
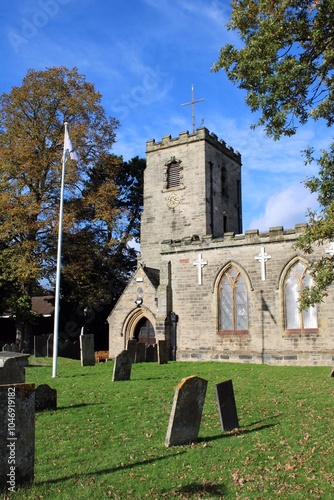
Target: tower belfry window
[173, 177]
[173, 174]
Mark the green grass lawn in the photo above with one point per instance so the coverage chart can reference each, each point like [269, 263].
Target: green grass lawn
[106, 439]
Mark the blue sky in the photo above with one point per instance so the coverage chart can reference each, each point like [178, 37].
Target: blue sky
[144, 56]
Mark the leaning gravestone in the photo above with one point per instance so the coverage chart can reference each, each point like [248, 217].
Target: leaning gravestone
[87, 353]
[226, 405]
[186, 414]
[122, 366]
[11, 371]
[17, 435]
[162, 352]
[45, 398]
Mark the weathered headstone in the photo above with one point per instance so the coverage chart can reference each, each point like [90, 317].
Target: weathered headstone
[162, 352]
[40, 346]
[20, 357]
[140, 352]
[132, 348]
[226, 405]
[122, 366]
[11, 372]
[186, 414]
[87, 352]
[17, 435]
[151, 353]
[45, 398]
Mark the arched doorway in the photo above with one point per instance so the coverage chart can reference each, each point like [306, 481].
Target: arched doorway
[144, 332]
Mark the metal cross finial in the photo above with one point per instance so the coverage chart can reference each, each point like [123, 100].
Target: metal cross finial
[193, 102]
[199, 263]
[262, 258]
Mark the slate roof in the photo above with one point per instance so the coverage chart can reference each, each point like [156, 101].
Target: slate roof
[153, 275]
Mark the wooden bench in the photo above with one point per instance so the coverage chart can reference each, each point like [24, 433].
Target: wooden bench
[101, 356]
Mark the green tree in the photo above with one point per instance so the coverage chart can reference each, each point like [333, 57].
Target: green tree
[286, 66]
[32, 120]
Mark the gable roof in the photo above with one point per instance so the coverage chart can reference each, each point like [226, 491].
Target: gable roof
[153, 275]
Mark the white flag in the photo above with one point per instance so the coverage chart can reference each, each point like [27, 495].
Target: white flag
[68, 148]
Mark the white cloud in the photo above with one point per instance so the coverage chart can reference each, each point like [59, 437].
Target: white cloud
[285, 208]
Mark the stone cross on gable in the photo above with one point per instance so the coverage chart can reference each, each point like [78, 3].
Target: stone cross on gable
[199, 263]
[330, 249]
[262, 258]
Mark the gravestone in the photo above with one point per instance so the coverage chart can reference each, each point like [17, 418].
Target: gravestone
[186, 414]
[49, 346]
[11, 372]
[151, 353]
[132, 348]
[40, 350]
[140, 352]
[87, 352]
[45, 398]
[162, 352]
[20, 357]
[122, 366]
[226, 405]
[17, 435]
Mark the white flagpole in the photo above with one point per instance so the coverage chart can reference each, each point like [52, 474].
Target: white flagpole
[60, 234]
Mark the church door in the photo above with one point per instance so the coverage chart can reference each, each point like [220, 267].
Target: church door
[145, 332]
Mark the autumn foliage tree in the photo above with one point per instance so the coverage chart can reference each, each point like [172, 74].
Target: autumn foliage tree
[32, 120]
[285, 63]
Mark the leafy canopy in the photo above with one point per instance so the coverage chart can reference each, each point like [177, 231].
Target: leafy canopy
[97, 223]
[286, 66]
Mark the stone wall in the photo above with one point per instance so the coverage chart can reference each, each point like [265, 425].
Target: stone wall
[197, 305]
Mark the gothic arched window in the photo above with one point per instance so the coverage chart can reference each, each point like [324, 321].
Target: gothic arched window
[233, 308]
[296, 279]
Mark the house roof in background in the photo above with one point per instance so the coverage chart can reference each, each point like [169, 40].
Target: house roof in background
[43, 305]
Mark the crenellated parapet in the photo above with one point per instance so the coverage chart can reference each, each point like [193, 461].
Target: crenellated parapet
[201, 134]
[250, 237]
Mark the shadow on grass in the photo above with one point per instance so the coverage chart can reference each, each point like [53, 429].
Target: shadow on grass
[107, 471]
[264, 420]
[79, 405]
[198, 490]
[239, 432]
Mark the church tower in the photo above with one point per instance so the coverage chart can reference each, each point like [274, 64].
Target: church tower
[192, 188]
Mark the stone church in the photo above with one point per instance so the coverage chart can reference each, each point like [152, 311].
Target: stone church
[208, 289]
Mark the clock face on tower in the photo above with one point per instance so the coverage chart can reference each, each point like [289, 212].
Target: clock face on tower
[173, 200]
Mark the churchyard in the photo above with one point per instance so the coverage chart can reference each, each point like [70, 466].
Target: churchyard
[106, 439]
